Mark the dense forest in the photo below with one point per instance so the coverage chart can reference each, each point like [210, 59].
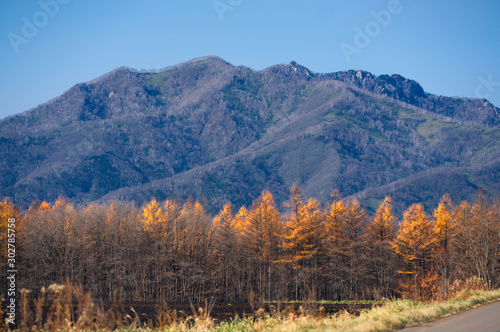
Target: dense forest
[177, 252]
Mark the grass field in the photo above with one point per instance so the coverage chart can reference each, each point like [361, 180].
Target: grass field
[391, 315]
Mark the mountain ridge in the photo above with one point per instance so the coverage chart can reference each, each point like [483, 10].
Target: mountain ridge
[128, 130]
[358, 78]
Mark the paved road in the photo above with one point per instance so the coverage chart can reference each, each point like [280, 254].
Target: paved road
[482, 318]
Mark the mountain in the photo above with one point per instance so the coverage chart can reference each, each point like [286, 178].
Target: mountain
[217, 132]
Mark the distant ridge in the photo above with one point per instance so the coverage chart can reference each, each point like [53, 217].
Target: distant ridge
[216, 132]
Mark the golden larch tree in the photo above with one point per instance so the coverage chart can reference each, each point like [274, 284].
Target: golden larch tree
[153, 219]
[444, 227]
[302, 241]
[416, 239]
[381, 258]
[262, 239]
[416, 242]
[335, 244]
[353, 265]
[225, 245]
[444, 222]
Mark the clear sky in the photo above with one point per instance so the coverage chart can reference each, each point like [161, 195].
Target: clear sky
[451, 47]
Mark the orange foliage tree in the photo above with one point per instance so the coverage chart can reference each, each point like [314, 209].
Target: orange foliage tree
[379, 254]
[444, 227]
[302, 240]
[262, 241]
[416, 242]
[179, 252]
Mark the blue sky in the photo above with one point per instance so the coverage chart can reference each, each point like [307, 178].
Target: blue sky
[451, 47]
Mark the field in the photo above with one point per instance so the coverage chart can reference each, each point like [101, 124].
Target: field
[148, 311]
[69, 308]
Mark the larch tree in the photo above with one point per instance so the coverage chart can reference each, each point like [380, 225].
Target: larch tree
[290, 244]
[225, 244]
[354, 266]
[51, 242]
[302, 242]
[380, 256]
[477, 239]
[243, 278]
[172, 211]
[240, 220]
[93, 220]
[154, 222]
[178, 252]
[335, 246]
[444, 225]
[122, 230]
[262, 238]
[416, 242]
[292, 222]
[194, 251]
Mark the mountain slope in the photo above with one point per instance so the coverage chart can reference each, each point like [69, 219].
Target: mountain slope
[217, 132]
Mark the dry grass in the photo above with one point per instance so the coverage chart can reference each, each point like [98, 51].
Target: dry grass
[392, 315]
[68, 308]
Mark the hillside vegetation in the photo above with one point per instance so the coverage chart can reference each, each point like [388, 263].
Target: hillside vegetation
[216, 132]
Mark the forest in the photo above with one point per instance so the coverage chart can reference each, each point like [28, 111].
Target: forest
[177, 252]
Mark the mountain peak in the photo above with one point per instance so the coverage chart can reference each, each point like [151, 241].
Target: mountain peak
[293, 69]
[214, 131]
[209, 58]
[394, 86]
[120, 71]
[300, 69]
